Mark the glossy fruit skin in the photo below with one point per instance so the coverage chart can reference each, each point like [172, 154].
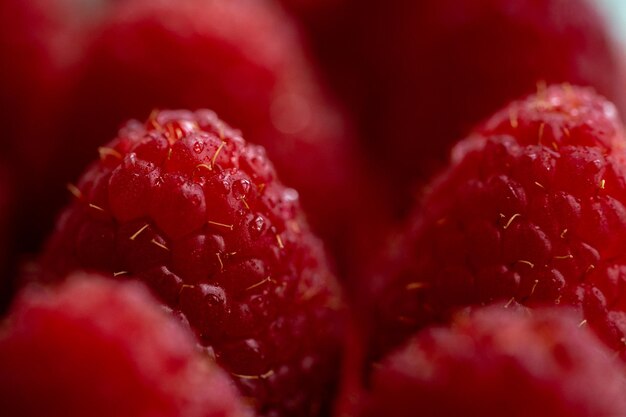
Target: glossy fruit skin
[243, 59]
[101, 348]
[500, 361]
[531, 210]
[185, 205]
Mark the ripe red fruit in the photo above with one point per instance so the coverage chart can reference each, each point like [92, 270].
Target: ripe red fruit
[500, 362]
[423, 73]
[40, 44]
[242, 59]
[531, 210]
[187, 206]
[99, 348]
[35, 52]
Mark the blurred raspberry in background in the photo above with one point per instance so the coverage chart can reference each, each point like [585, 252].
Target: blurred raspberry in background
[419, 75]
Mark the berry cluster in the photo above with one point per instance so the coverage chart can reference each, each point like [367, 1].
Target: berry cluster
[291, 208]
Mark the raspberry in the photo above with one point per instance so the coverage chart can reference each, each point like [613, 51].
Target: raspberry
[186, 206]
[531, 210]
[242, 59]
[500, 362]
[99, 348]
[40, 43]
[401, 63]
[33, 47]
[572, 116]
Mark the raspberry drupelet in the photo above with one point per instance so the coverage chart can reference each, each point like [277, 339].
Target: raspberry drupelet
[105, 349]
[185, 205]
[500, 362]
[531, 210]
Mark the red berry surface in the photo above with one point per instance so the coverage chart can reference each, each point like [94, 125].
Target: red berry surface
[423, 73]
[243, 59]
[530, 210]
[34, 37]
[499, 362]
[40, 43]
[184, 204]
[105, 349]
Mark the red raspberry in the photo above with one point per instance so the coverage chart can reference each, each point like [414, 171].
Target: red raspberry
[563, 114]
[40, 42]
[98, 348]
[185, 205]
[34, 52]
[424, 72]
[242, 59]
[531, 210]
[499, 362]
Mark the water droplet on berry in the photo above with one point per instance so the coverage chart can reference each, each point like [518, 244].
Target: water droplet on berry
[241, 189]
[257, 226]
[198, 147]
[131, 159]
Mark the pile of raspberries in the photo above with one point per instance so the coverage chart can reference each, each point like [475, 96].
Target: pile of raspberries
[297, 208]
